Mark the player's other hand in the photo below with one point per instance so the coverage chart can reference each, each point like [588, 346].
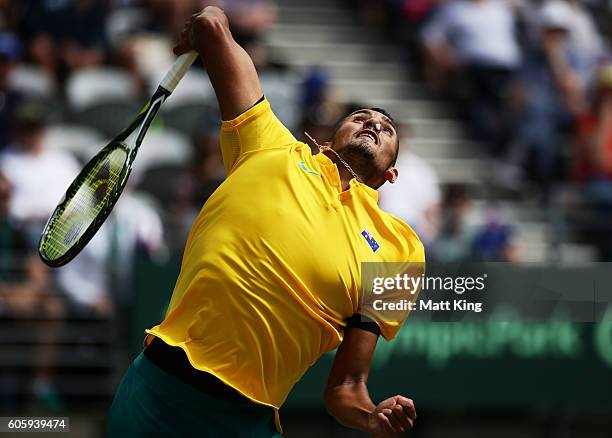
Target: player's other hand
[200, 28]
[392, 417]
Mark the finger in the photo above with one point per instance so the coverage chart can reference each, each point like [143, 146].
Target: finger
[402, 417]
[386, 424]
[395, 422]
[408, 405]
[179, 49]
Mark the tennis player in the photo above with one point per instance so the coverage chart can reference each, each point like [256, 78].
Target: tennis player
[270, 277]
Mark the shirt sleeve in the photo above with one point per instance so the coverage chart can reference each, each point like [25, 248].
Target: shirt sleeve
[255, 129]
[390, 321]
[364, 323]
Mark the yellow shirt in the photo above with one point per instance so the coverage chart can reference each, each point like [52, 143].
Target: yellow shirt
[271, 268]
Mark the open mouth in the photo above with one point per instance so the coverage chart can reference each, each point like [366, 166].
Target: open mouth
[369, 134]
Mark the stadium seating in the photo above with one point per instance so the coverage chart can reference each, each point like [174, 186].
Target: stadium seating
[79, 140]
[88, 87]
[32, 81]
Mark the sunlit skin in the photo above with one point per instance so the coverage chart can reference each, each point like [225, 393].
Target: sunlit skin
[372, 159]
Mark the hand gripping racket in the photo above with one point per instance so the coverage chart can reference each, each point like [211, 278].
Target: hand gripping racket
[92, 195]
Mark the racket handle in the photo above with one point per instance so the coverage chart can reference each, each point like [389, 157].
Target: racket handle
[178, 70]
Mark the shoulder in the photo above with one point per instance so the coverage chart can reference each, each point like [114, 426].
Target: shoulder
[256, 110]
[412, 248]
[256, 127]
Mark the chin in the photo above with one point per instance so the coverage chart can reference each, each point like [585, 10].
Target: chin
[363, 146]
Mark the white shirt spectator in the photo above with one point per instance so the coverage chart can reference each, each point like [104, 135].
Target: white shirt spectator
[481, 32]
[133, 222]
[415, 196]
[39, 181]
[584, 39]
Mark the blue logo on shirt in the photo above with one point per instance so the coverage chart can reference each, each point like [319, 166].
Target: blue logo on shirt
[307, 170]
[370, 239]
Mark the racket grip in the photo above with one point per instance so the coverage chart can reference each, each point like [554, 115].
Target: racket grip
[178, 70]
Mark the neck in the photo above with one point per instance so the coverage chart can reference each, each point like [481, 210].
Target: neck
[345, 172]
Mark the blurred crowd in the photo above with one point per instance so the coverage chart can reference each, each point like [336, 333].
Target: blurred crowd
[73, 73]
[531, 78]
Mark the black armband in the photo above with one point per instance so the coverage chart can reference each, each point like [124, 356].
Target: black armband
[258, 102]
[364, 323]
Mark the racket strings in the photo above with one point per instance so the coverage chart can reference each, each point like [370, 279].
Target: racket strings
[81, 210]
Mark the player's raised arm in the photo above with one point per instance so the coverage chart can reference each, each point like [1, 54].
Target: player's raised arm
[229, 67]
[346, 392]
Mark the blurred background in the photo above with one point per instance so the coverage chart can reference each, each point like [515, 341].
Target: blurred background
[505, 109]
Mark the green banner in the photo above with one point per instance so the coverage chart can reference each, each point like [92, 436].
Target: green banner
[449, 364]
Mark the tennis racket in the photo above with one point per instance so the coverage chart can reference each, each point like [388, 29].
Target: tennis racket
[94, 192]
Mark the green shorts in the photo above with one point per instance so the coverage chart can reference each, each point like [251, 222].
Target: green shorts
[151, 403]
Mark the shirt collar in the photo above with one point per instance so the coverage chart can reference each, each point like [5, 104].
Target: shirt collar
[330, 168]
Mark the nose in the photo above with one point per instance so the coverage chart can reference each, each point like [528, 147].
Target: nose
[373, 124]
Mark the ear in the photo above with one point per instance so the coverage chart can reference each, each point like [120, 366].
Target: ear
[391, 174]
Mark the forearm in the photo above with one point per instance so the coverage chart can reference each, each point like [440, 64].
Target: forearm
[350, 404]
[230, 69]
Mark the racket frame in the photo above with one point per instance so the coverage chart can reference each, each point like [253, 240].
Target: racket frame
[142, 120]
[123, 140]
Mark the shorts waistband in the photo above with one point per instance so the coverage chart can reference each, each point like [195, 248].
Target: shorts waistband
[174, 361]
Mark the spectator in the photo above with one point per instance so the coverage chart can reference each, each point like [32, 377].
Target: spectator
[39, 177]
[406, 20]
[548, 97]
[26, 292]
[476, 39]
[415, 196]
[320, 107]
[64, 34]
[584, 39]
[493, 241]
[9, 52]
[23, 279]
[593, 170]
[594, 158]
[249, 19]
[454, 244]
